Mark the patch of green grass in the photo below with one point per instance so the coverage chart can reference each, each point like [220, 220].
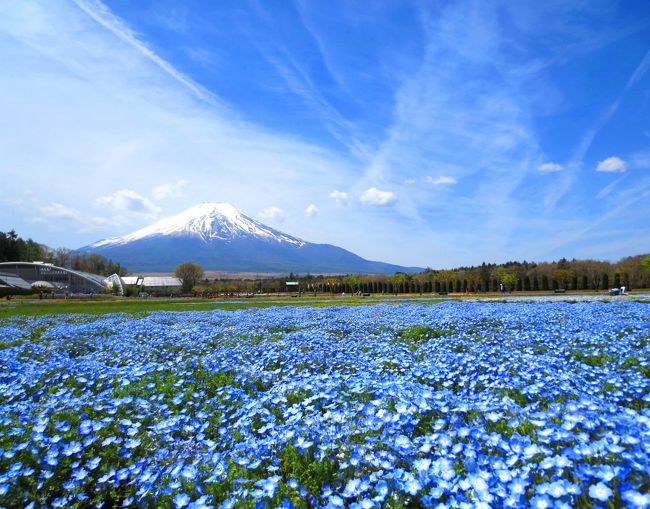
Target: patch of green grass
[594, 360]
[141, 307]
[418, 334]
[425, 424]
[307, 470]
[515, 395]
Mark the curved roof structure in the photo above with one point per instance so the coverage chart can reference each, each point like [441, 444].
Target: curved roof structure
[25, 274]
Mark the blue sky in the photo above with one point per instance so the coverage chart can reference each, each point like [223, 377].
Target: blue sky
[422, 133]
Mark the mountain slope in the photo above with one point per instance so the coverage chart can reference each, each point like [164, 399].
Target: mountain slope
[219, 237]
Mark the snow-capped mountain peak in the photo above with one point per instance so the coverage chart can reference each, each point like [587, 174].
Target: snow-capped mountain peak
[208, 221]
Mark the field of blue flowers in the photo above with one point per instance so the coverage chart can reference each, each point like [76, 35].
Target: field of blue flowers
[455, 404]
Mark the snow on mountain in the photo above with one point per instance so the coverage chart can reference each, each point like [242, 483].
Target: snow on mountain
[207, 221]
[219, 237]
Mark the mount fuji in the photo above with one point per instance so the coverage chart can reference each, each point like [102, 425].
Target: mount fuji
[219, 237]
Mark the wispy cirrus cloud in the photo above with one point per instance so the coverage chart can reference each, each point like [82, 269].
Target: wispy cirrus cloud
[102, 15]
[453, 104]
[156, 125]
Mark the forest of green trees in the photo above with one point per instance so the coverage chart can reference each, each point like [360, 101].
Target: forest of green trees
[588, 275]
[16, 249]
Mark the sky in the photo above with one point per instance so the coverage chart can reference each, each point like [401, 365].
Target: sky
[435, 134]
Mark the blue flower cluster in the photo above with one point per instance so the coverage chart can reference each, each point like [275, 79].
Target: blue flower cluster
[456, 404]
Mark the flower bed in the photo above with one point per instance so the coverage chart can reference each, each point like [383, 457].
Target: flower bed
[454, 404]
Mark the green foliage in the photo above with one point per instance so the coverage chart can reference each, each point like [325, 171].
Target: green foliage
[591, 359]
[190, 274]
[562, 276]
[418, 334]
[645, 263]
[96, 264]
[139, 306]
[310, 472]
[130, 291]
[504, 276]
[13, 248]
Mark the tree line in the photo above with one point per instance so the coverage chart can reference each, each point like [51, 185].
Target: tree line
[586, 275]
[572, 275]
[13, 248]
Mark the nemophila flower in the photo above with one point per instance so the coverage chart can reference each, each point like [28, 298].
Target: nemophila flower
[189, 472]
[302, 443]
[80, 475]
[635, 499]
[352, 488]
[518, 486]
[364, 503]
[268, 486]
[85, 427]
[493, 416]
[382, 489]
[606, 473]
[600, 492]
[132, 443]
[403, 444]
[540, 502]
[335, 501]
[71, 448]
[181, 500]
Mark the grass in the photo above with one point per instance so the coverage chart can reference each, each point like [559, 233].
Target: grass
[102, 305]
[135, 305]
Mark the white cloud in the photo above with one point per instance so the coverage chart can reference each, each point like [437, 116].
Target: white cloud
[83, 223]
[312, 210]
[59, 211]
[440, 181]
[271, 213]
[550, 167]
[339, 196]
[410, 181]
[374, 196]
[126, 199]
[611, 164]
[169, 190]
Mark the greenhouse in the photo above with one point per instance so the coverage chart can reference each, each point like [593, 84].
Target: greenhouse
[25, 275]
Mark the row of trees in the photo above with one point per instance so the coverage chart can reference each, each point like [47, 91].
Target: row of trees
[587, 275]
[15, 249]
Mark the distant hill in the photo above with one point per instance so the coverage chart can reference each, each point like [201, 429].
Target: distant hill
[219, 237]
